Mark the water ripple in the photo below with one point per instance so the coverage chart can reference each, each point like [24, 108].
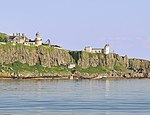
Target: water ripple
[90, 97]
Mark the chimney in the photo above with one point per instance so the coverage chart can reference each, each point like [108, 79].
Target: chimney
[13, 34]
[19, 34]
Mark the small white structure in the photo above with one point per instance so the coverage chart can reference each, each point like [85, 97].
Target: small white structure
[106, 49]
[98, 50]
[88, 49]
[38, 39]
[71, 65]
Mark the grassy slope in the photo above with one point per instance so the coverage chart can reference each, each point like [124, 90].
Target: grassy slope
[94, 70]
[18, 67]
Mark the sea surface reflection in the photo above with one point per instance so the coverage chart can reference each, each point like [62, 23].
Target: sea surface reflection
[68, 97]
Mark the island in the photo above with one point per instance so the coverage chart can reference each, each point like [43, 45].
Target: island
[24, 58]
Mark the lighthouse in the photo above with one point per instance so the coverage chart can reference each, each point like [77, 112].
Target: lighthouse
[38, 39]
[106, 49]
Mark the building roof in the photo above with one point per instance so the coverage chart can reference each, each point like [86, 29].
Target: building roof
[97, 49]
[20, 37]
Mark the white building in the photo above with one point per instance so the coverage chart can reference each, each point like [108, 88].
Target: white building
[18, 38]
[88, 49]
[22, 39]
[106, 49]
[98, 50]
[38, 39]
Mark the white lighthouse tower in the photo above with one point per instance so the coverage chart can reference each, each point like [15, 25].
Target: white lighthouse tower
[38, 39]
[106, 49]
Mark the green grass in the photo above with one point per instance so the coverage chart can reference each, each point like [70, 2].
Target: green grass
[119, 67]
[93, 70]
[18, 67]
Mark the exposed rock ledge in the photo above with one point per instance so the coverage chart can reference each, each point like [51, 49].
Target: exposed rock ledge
[73, 76]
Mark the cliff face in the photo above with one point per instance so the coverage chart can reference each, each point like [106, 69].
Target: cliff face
[111, 60]
[33, 55]
[86, 60]
[48, 57]
[139, 63]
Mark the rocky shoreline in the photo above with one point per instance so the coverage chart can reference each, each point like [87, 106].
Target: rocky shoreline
[74, 76]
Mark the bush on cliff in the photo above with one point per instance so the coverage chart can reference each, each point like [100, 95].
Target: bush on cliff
[3, 37]
[119, 67]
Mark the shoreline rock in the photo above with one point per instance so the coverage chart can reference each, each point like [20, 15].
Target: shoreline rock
[74, 76]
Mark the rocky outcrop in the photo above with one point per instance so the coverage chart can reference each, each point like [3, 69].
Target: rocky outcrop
[139, 63]
[47, 57]
[85, 59]
[33, 55]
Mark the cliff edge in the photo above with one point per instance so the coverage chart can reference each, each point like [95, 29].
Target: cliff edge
[49, 59]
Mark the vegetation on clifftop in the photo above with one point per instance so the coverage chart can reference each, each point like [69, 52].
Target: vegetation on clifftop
[3, 37]
[119, 67]
[18, 67]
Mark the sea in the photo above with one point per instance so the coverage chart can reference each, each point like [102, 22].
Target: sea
[75, 97]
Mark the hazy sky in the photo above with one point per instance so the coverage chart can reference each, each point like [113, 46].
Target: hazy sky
[74, 24]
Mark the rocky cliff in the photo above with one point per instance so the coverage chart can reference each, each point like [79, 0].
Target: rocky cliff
[32, 55]
[47, 57]
[139, 63]
[112, 61]
[85, 59]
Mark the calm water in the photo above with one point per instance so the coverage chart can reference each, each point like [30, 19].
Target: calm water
[86, 97]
